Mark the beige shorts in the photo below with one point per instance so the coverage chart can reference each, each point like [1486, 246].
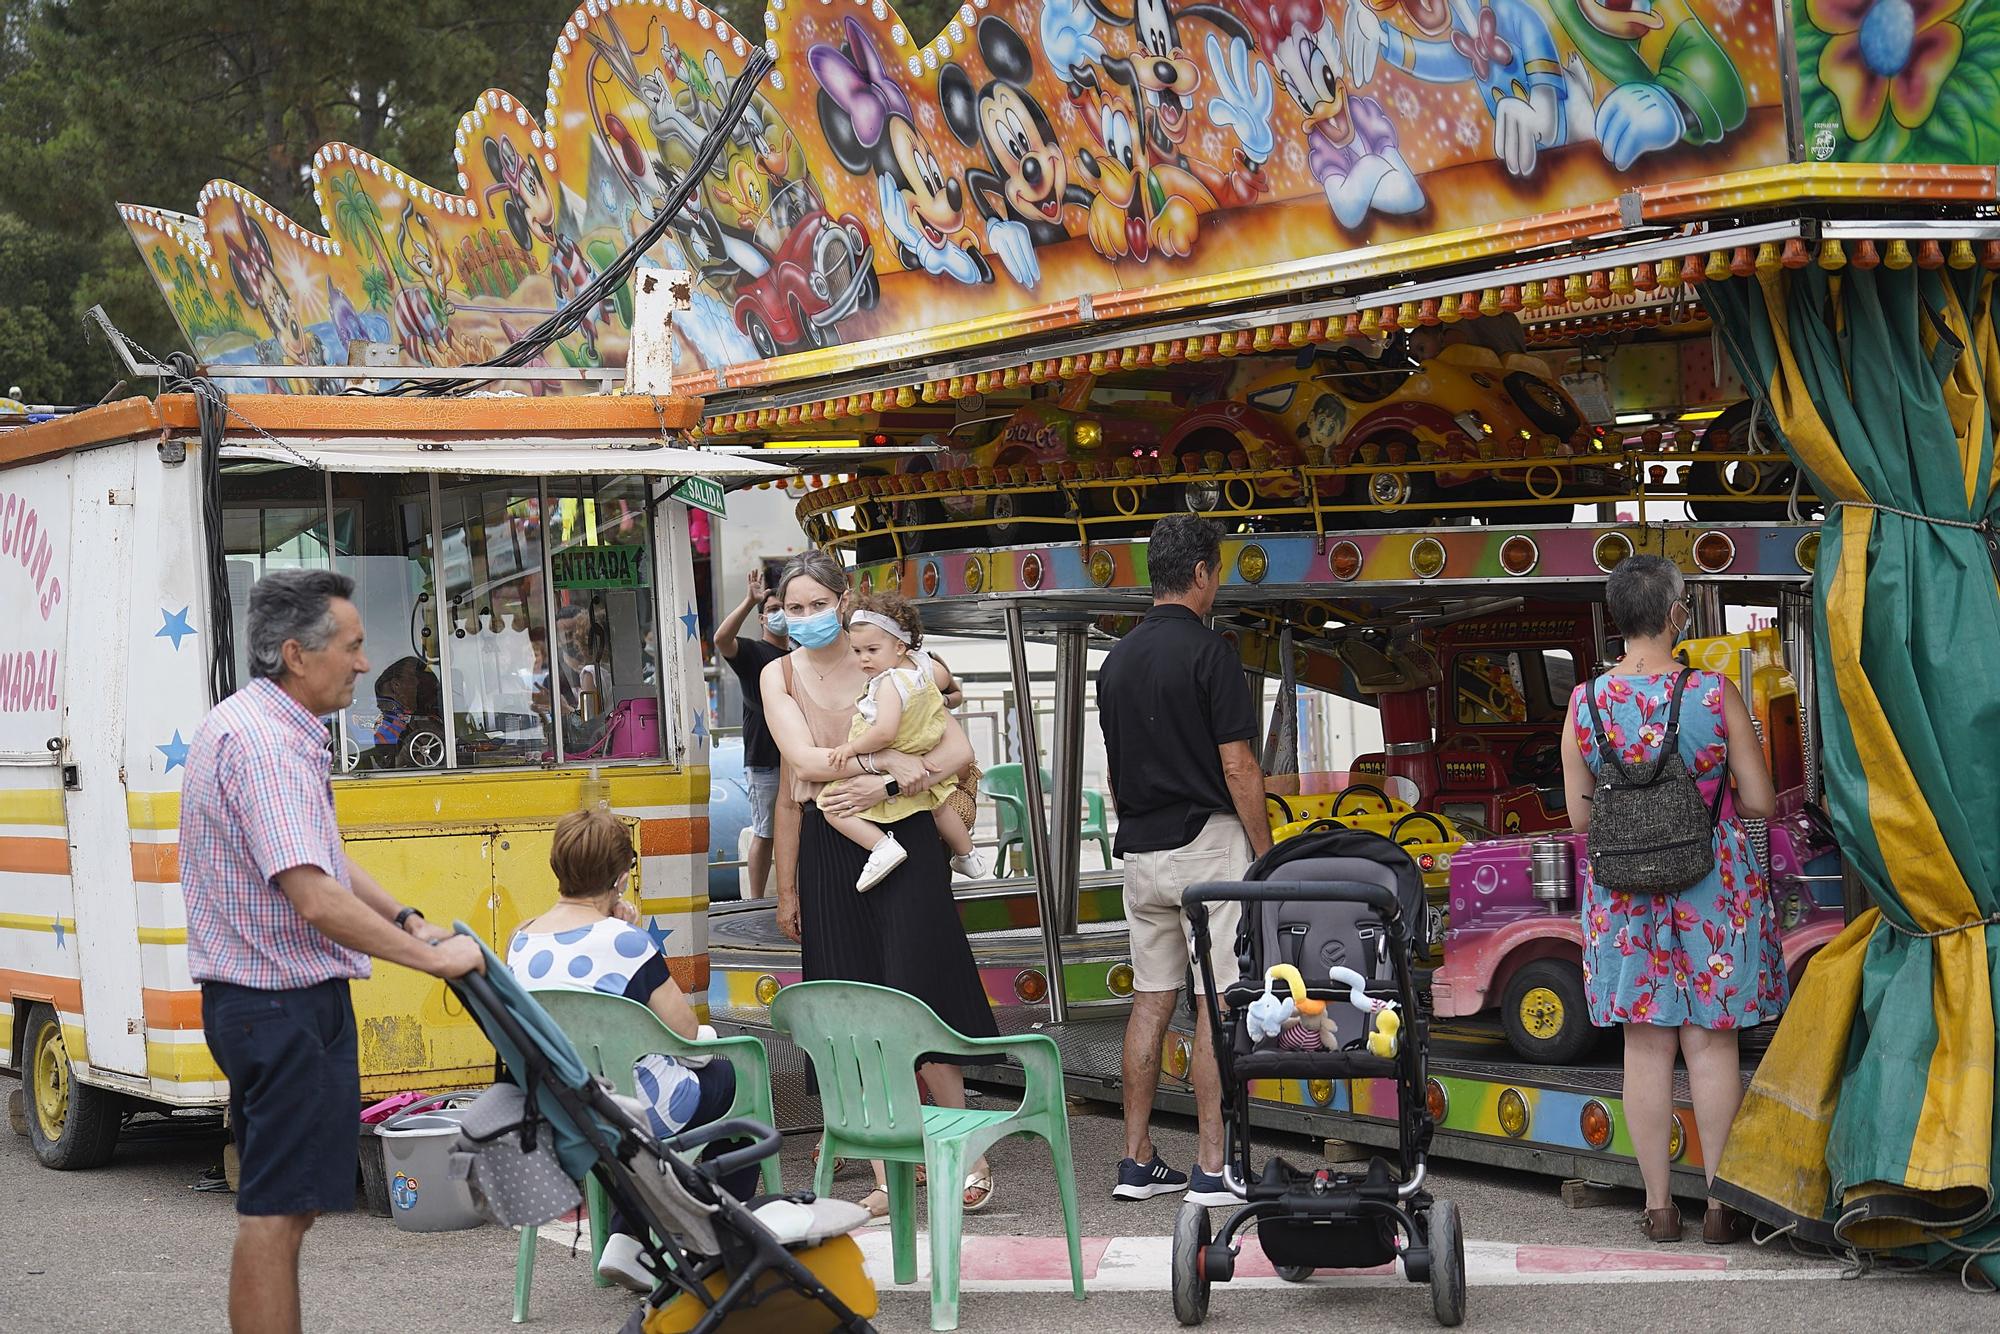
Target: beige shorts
[1162, 942]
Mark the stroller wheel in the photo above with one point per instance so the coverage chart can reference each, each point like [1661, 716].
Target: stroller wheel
[1447, 1265]
[1190, 1287]
[1295, 1273]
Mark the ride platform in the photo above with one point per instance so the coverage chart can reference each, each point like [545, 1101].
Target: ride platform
[1491, 1108]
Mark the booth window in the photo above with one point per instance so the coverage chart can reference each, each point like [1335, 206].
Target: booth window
[509, 622]
[495, 621]
[383, 541]
[273, 518]
[603, 594]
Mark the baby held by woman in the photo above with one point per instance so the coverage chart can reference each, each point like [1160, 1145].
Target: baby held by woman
[901, 710]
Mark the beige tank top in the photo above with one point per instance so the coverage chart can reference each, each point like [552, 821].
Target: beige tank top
[828, 724]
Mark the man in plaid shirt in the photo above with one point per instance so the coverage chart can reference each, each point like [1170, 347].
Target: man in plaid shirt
[279, 921]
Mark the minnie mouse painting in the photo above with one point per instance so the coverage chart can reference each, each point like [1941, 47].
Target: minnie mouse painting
[865, 115]
[530, 210]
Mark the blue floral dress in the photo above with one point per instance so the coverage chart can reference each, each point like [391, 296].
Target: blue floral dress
[1709, 956]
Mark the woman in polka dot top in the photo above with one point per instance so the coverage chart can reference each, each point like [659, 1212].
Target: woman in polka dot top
[589, 942]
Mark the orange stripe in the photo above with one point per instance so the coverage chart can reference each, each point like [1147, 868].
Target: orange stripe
[172, 1009]
[689, 972]
[65, 993]
[42, 856]
[665, 838]
[575, 415]
[156, 863]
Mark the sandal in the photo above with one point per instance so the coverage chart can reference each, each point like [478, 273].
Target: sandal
[1661, 1225]
[1723, 1226]
[876, 1202]
[981, 1182]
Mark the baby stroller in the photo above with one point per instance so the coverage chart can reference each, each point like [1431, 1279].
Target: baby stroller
[782, 1263]
[1347, 900]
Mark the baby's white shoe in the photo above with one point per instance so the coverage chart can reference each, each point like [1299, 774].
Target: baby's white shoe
[885, 857]
[972, 865]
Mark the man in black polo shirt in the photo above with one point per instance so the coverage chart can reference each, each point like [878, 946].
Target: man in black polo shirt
[748, 658]
[1177, 720]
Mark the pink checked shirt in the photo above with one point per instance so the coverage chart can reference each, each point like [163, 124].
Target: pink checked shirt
[256, 801]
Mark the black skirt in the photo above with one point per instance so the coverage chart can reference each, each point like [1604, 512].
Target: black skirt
[903, 933]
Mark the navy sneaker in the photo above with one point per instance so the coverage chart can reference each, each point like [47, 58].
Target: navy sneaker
[1211, 1189]
[1142, 1181]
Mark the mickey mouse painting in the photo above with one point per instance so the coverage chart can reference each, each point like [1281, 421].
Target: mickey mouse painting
[865, 115]
[1023, 198]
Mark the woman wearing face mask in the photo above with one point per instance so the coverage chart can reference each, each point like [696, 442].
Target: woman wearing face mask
[904, 932]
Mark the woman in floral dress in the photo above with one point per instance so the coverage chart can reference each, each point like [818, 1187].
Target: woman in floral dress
[1679, 972]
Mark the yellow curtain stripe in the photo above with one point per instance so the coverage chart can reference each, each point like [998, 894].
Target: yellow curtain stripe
[1797, 416]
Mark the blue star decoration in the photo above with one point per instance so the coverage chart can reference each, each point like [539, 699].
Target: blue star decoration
[174, 625]
[658, 933]
[61, 931]
[693, 623]
[700, 726]
[176, 752]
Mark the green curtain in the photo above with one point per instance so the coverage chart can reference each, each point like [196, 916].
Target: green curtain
[1870, 1123]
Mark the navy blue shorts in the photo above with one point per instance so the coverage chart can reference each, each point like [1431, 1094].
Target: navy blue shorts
[294, 1093]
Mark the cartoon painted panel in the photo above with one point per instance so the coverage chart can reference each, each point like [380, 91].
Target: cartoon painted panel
[1033, 151]
[1900, 80]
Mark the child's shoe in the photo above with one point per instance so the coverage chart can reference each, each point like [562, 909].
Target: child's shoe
[884, 858]
[972, 865]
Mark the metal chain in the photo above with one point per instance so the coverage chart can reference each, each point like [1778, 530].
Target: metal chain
[1991, 919]
[207, 391]
[1978, 526]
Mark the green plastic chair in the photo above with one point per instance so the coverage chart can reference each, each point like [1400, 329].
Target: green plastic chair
[1003, 783]
[864, 1042]
[610, 1033]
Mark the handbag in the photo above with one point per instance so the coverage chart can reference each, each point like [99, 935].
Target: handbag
[964, 800]
[506, 1155]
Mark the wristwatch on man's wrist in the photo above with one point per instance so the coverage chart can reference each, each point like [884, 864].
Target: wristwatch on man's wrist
[403, 917]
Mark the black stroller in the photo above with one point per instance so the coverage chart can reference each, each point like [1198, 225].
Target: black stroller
[785, 1264]
[1345, 898]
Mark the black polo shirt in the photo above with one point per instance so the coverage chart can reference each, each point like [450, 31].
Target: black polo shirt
[1168, 695]
[751, 658]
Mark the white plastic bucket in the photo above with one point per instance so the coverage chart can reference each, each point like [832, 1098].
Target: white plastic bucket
[416, 1157]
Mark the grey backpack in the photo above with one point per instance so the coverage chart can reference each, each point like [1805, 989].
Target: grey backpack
[1650, 832]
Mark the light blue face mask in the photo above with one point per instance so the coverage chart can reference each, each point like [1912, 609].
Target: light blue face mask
[816, 631]
[775, 622]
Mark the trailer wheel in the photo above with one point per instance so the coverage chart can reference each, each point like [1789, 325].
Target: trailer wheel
[1190, 1288]
[70, 1124]
[1447, 1265]
[1545, 1013]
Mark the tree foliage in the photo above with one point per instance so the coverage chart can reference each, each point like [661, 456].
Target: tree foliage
[145, 101]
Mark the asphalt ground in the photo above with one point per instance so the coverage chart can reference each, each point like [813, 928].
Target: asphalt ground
[132, 1246]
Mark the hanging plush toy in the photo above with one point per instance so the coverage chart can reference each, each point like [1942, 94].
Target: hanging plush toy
[1267, 1016]
[1385, 1023]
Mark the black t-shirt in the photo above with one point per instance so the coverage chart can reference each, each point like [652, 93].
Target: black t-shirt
[652, 975]
[752, 656]
[1168, 695]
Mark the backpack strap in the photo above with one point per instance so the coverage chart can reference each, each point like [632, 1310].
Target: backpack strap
[1605, 750]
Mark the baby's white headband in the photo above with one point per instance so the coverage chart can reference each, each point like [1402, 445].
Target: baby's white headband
[887, 624]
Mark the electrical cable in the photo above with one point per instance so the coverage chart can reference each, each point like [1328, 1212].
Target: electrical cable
[213, 414]
[607, 282]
